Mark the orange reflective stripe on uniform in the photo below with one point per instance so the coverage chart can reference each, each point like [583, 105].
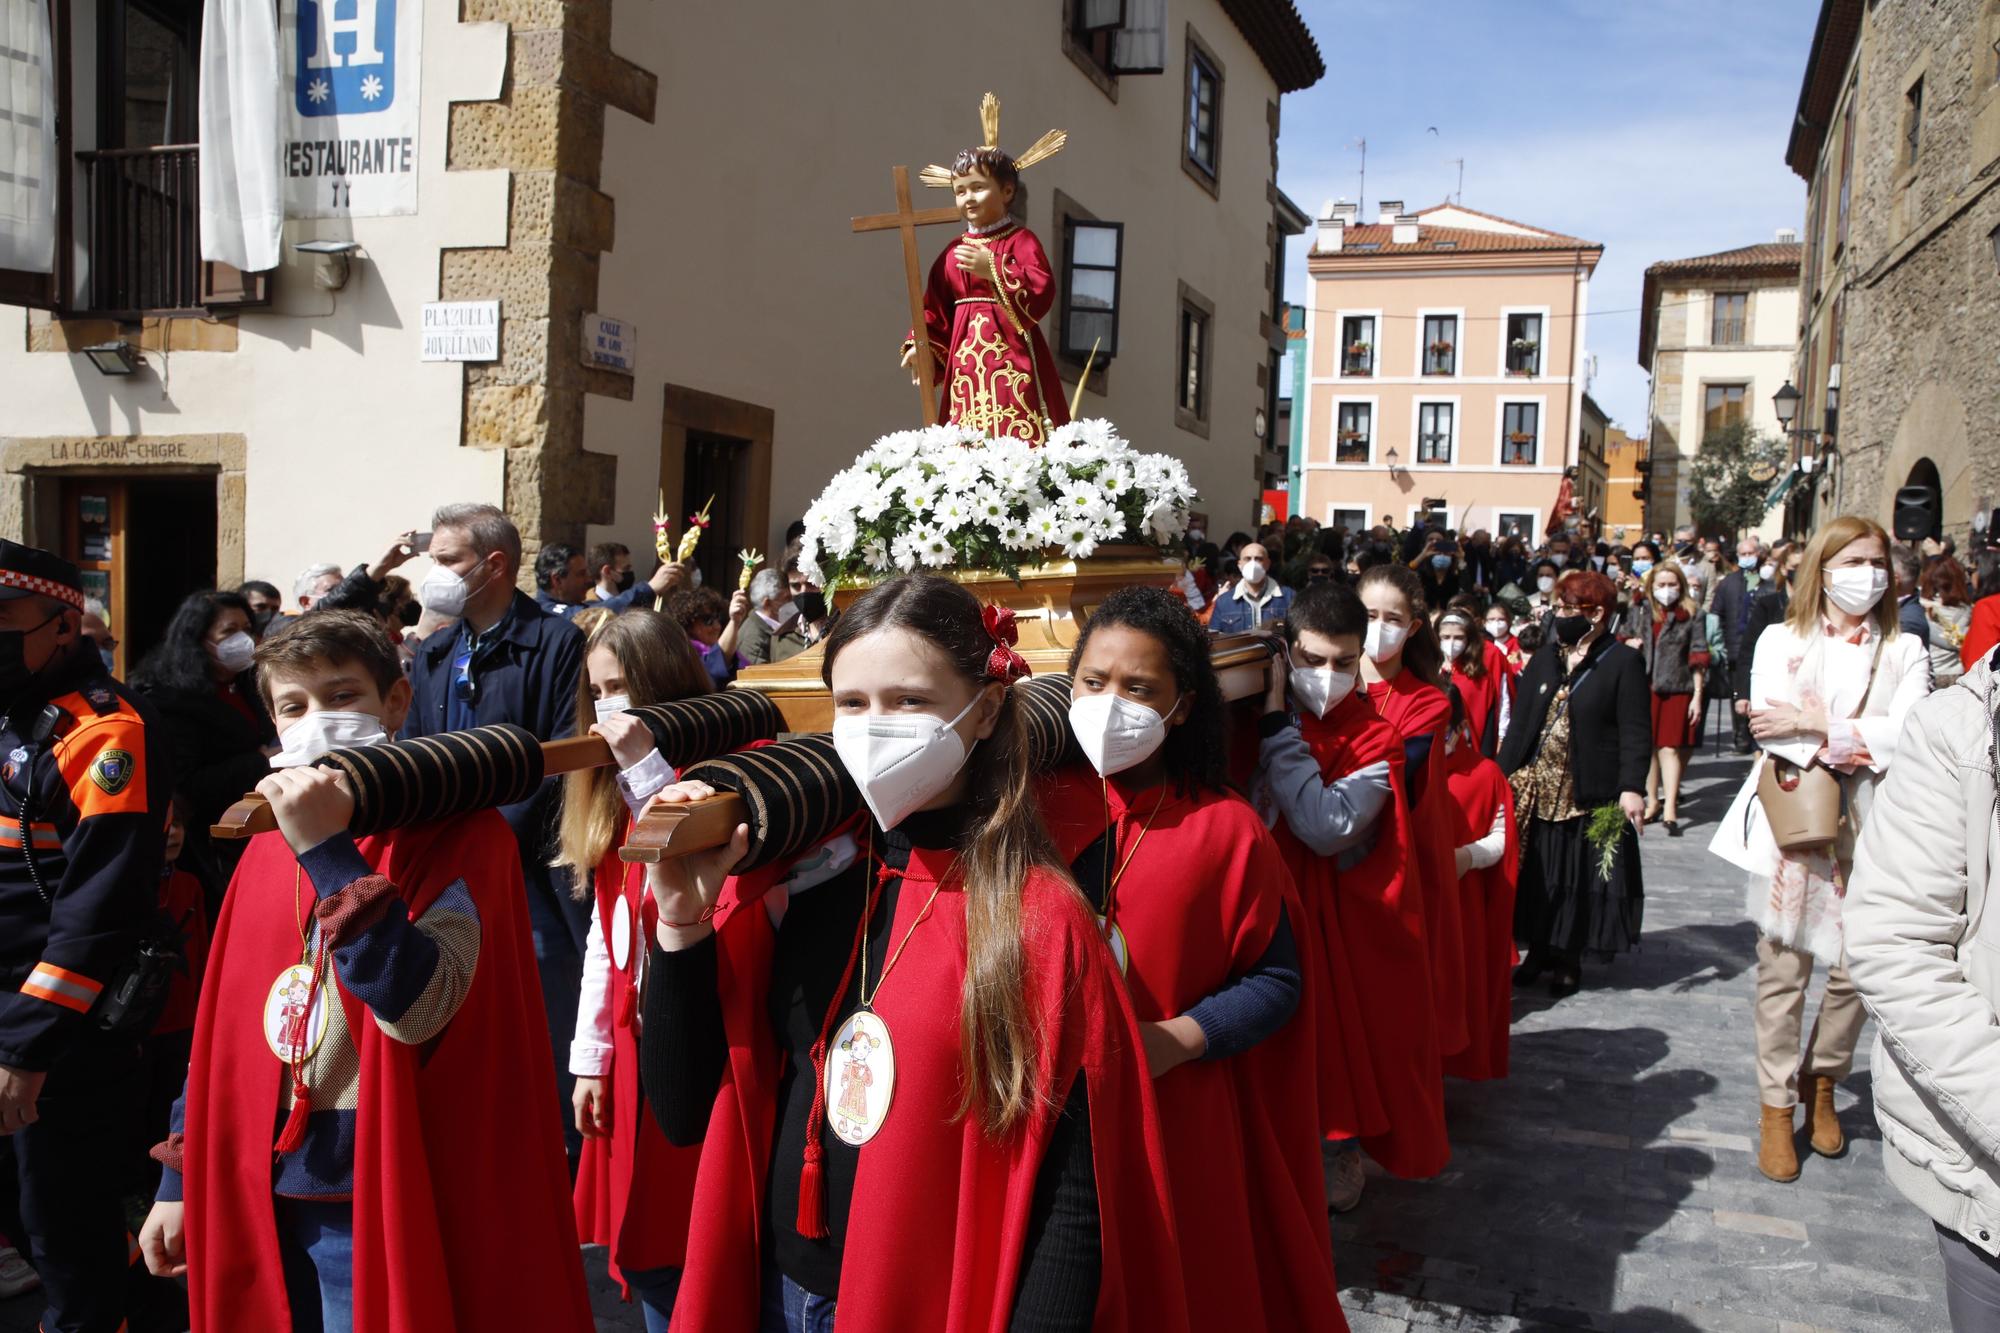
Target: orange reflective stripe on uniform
[45, 835]
[71, 990]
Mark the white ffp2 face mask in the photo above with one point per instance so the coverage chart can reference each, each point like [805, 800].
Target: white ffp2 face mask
[1666, 594]
[1498, 629]
[1384, 640]
[900, 761]
[1115, 732]
[236, 653]
[611, 705]
[316, 733]
[1320, 689]
[1856, 588]
[1451, 648]
[1252, 571]
[444, 593]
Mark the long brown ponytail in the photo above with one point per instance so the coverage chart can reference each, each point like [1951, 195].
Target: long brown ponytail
[998, 1043]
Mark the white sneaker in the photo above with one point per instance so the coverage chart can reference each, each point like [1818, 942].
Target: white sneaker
[16, 1276]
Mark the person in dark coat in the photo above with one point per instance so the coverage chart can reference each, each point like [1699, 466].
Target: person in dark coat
[1581, 739]
[507, 660]
[219, 738]
[1730, 606]
[1767, 608]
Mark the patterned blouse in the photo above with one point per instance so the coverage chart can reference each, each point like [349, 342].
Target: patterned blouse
[1545, 788]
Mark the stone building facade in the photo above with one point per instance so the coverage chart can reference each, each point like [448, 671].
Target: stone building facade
[1715, 335]
[1898, 137]
[692, 172]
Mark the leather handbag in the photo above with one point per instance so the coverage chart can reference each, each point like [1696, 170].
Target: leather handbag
[1804, 806]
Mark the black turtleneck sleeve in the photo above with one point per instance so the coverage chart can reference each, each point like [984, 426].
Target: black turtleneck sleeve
[682, 1047]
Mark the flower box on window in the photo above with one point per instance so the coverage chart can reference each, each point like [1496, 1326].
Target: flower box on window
[1520, 437]
[1350, 436]
[1441, 348]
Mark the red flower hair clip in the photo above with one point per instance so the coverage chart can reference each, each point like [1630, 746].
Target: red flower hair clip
[1003, 663]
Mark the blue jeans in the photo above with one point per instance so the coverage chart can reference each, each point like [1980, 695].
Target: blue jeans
[316, 1245]
[790, 1308]
[655, 1289]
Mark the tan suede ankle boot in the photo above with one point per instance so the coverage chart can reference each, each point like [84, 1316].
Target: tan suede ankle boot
[1816, 1094]
[1777, 1155]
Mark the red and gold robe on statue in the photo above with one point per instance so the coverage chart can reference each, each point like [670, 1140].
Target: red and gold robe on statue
[998, 374]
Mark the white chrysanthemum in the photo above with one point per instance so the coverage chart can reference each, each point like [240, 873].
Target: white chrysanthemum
[874, 555]
[960, 471]
[1114, 479]
[991, 507]
[1045, 525]
[1077, 539]
[953, 510]
[904, 552]
[1015, 535]
[841, 534]
[1082, 500]
[933, 546]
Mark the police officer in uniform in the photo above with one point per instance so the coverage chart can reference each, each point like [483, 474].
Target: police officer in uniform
[84, 799]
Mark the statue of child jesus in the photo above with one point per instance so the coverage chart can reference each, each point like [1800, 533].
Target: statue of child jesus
[987, 295]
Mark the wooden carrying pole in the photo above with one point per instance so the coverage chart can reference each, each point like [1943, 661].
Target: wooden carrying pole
[252, 815]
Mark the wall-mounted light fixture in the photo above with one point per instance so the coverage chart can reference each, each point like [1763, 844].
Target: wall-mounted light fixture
[330, 269]
[114, 358]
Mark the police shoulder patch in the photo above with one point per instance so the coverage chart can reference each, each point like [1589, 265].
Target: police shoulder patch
[113, 771]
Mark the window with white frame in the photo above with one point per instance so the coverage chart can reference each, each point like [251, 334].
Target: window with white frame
[1434, 430]
[1520, 433]
[1354, 520]
[1354, 433]
[1507, 524]
[1357, 345]
[1524, 344]
[1440, 344]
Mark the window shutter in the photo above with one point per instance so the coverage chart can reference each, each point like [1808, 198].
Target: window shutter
[1140, 44]
[224, 285]
[1097, 15]
[30, 155]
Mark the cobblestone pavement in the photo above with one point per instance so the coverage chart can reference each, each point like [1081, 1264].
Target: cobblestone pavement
[1611, 1182]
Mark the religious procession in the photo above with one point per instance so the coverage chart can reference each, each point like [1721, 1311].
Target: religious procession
[972, 720]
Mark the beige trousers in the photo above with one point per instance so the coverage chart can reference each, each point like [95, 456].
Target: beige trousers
[1784, 975]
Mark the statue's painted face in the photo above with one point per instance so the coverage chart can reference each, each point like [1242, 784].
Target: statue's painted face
[982, 199]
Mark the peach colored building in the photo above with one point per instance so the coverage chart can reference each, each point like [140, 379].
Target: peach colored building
[1445, 365]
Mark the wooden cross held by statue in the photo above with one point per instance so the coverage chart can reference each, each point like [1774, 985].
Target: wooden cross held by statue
[906, 220]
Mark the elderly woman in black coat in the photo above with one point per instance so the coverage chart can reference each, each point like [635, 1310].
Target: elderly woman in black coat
[1581, 740]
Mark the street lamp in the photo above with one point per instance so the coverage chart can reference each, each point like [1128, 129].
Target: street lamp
[1785, 402]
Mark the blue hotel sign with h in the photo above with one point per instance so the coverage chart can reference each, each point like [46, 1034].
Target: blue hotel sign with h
[346, 57]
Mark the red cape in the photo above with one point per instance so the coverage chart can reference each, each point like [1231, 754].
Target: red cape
[633, 1188]
[1477, 789]
[1415, 710]
[1380, 1040]
[1197, 906]
[951, 1204]
[1482, 697]
[452, 1139]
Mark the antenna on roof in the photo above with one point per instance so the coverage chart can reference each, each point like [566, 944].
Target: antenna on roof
[1361, 197]
[1458, 196]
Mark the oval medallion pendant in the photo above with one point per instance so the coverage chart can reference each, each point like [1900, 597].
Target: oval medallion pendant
[621, 932]
[295, 1015]
[1115, 937]
[860, 1077]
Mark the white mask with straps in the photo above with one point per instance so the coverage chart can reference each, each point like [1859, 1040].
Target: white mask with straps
[1384, 640]
[1116, 733]
[611, 705]
[1856, 588]
[1320, 689]
[236, 653]
[900, 761]
[444, 593]
[316, 733]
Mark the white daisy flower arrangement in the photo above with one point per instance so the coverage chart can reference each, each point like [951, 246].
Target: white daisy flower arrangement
[947, 497]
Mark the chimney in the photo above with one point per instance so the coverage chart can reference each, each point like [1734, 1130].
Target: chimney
[1788, 236]
[1348, 213]
[1405, 232]
[1331, 230]
[1391, 210]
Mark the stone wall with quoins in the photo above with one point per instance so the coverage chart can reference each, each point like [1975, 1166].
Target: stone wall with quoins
[547, 128]
[1921, 376]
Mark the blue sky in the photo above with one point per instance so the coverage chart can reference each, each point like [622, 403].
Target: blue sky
[1654, 127]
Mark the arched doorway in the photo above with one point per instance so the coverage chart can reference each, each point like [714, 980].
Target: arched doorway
[1925, 473]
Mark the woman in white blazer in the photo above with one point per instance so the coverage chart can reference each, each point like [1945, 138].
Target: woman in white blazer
[1829, 685]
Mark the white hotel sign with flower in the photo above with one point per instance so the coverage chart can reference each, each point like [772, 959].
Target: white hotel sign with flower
[947, 497]
[350, 146]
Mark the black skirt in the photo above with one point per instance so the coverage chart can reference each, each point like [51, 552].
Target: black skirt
[1564, 905]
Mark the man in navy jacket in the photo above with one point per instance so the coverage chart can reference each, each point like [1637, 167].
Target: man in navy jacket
[507, 660]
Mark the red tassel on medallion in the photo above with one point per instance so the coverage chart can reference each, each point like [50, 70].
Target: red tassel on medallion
[293, 1136]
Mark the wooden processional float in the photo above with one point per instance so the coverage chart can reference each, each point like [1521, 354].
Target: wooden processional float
[793, 792]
